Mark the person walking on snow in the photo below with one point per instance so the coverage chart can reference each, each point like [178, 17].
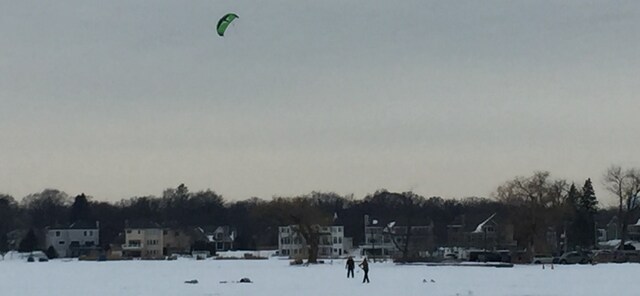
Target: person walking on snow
[351, 265]
[365, 267]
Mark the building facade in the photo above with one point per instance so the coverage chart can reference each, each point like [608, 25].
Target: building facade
[332, 243]
[143, 240]
[79, 238]
[388, 239]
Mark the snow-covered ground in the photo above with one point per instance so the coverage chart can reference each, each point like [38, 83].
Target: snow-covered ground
[276, 277]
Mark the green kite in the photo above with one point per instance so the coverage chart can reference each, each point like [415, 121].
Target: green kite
[224, 22]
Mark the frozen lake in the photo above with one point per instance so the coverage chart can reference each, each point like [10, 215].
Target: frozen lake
[276, 277]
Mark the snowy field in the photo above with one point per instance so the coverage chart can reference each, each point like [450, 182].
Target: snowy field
[276, 277]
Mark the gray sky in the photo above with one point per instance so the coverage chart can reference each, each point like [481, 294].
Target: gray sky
[450, 98]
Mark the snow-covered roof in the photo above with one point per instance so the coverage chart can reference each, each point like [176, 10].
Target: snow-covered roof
[479, 228]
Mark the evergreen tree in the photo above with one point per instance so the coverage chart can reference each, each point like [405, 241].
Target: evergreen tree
[572, 217]
[29, 243]
[588, 201]
[573, 198]
[587, 208]
[80, 210]
[51, 253]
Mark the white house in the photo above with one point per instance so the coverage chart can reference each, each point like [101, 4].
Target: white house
[78, 239]
[143, 239]
[332, 242]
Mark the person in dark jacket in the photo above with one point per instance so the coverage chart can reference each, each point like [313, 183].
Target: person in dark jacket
[351, 265]
[365, 267]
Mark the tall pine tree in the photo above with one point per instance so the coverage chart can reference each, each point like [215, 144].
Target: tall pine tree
[571, 217]
[588, 201]
[587, 208]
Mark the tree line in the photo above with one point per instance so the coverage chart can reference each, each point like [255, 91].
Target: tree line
[532, 204]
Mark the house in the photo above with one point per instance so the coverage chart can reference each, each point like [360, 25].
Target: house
[14, 238]
[79, 238]
[177, 240]
[613, 230]
[332, 243]
[222, 237]
[633, 231]
[387, 240]
[483, 233]
[143, 239]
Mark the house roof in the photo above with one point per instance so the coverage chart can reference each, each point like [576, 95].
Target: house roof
[141, 224]
[209, 233]
[481, 225]
[473, 223]
[80, 224]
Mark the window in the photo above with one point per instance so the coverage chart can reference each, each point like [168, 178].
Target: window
[164, 232]
[85, 233]
[61, 242]
[335, 240]
[57, 233]
[91, 233]
[339, 240]
[128, 230]
[138, 231]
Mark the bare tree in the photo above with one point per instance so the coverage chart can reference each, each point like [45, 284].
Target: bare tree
[308, 220]
[403, 236]
[625, 185]
[535, 200]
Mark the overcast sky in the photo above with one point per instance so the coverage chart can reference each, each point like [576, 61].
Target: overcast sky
[125, 98]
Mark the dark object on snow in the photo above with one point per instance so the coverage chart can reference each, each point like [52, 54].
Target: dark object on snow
[351, 265]
[43, 260]
[31, 259]
[245, 280]
[425, 280]
[365, 267]
[191, 282]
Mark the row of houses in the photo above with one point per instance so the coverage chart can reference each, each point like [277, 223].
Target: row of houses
[387, 239]
[145, 239]
[141, 239]
[390, 239]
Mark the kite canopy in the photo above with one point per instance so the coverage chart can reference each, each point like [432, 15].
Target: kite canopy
[224, 22]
